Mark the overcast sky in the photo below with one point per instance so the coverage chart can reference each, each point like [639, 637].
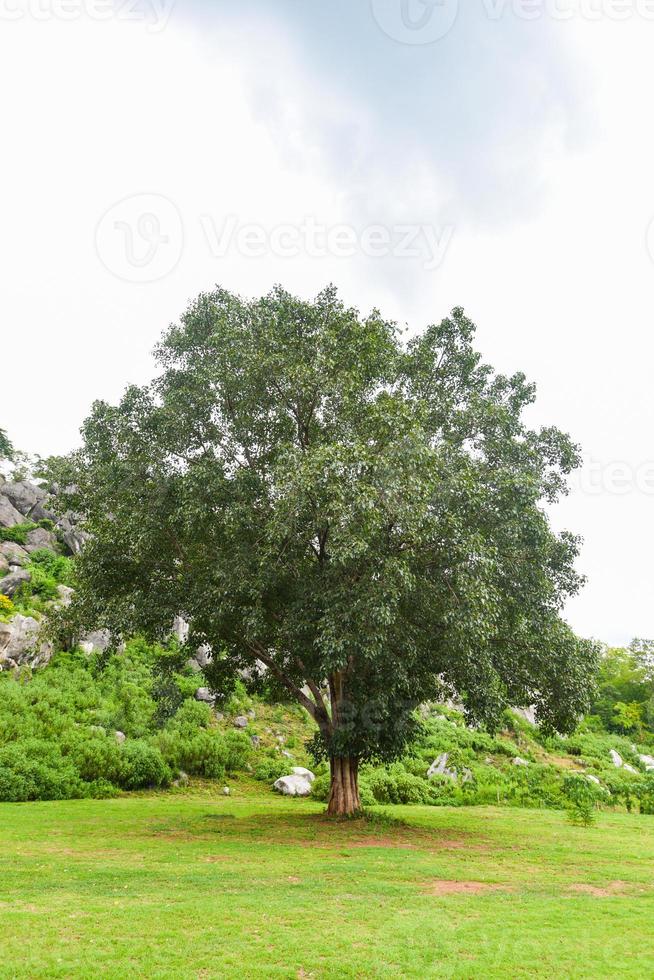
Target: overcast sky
[421, 154]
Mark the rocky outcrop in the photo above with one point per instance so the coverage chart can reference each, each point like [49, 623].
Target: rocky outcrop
[24, 503]
[21, 643]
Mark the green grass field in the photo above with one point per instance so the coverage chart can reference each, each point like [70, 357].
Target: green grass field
[201, 885]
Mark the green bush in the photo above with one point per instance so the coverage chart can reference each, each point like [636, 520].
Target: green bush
[142, 767]
[272, 768]
[18, 533]
[582, 798]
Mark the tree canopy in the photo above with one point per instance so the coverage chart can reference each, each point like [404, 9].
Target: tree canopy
[356, 517]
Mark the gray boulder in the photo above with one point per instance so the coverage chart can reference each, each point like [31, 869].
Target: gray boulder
[616, 759]
[64, 595]
[205, 695]
[293, 786]
[20, 643]
[647, 761]
[593, 779]
[40, 538]
[120, 737]
[12, 582]
[4, 565]
[73, 538]
[9, 516]
[631, 769]
[24, 497]
[518, 761]
[241, 722]
[256, 741]
[14, 553]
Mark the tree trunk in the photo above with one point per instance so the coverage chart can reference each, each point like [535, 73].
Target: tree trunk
[344, 793]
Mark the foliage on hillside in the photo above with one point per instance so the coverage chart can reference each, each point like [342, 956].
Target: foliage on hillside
[58, 740]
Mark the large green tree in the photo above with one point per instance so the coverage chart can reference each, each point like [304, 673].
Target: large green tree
[356, 518]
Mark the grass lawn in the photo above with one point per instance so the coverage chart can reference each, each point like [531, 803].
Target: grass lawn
[201, 885]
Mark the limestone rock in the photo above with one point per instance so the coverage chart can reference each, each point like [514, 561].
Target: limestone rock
[439, 768]
[647, 761]
[9, 516]
[305, 773]
[96, 642]
[65, 595]
[241, 722]
[630, 769]
[73, 538]
[293, 786]
[40, 538]
[616, 759]
[21, 644]
[11, 583]
[14, 553]
[120, 737]
[25, 497]
[518, 761]
[204, 694]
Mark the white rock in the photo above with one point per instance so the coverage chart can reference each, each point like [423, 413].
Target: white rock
[593, 779]
[647, 761]
[226, 791]
[204, 694]
[528, 714]
[305, 773]
[616, 759]
[293, 786]
[520, 762]
[439, 768]
[120, 737]
[631, 769]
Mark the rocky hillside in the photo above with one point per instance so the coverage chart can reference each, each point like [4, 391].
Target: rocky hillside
[35, 541]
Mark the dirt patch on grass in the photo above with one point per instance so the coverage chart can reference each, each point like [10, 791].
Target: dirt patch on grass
[390, 842]
[442, 887]
[601, 891]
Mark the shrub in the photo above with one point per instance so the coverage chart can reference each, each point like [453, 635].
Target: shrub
[142, 767]
[272, 768]
[7, 608]
[582, 798]
[18, 533]
[36, 770]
